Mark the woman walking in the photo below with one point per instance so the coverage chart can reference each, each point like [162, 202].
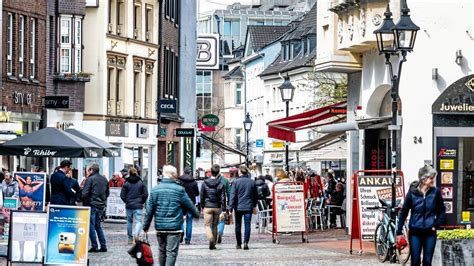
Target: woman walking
[427, 214]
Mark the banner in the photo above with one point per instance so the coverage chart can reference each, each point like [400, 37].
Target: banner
[68, 235]
[289, 208]
[371, 190]
[31, 190]
[28, 236]
[115, 205]
[8, 204]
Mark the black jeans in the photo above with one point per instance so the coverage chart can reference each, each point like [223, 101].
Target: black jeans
[425, 241]
[247, 215]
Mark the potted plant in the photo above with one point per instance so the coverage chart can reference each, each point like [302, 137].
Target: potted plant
[455, 247]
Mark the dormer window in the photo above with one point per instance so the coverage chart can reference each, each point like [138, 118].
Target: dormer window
[295, 48]
[311, 43]
[285, 46]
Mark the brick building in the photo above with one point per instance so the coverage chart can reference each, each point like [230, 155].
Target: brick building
[24, 51]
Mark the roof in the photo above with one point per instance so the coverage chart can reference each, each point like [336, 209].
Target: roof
[235, 72]
[305, 27]
[260, 36]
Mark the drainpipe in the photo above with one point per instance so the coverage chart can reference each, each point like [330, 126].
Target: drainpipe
[158, 98]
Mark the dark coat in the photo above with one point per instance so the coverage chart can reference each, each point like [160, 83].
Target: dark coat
[262, 189]
[134, 193]
[243, 195]
[427, 211]
[191, 186]
[61, 192]
[213, 194]
[337, 198]
[96, 191]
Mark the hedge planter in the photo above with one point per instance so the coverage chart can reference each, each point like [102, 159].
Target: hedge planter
[454, 247]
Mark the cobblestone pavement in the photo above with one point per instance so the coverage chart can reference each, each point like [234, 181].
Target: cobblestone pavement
[327, 247]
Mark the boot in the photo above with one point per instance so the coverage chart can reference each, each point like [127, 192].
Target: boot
[238, 246]
[246, 246]
[219, 239]
[212, 245]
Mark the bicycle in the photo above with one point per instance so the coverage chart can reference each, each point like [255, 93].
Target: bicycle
[385, 236]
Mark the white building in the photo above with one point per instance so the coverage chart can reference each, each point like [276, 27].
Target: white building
[121, 96]
[435, 83]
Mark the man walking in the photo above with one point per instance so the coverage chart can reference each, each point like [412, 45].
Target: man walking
[213, 202]
[166, 203]
[225, 182]
[96, 192]
[61, 185]
[243, 198]
[191, 187]
[134, 193]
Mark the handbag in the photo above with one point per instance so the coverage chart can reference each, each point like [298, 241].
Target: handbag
[141, 252]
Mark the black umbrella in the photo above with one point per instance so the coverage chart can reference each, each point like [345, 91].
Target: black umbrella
[109, 150]
[50, 142]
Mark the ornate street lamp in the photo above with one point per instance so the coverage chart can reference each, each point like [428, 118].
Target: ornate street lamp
[247, 126]
[385, 35]
[287, 91]
[405, 31]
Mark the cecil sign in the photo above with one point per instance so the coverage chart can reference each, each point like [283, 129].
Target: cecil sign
[210, 120]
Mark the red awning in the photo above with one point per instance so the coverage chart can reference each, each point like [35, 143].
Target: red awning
[284, 128]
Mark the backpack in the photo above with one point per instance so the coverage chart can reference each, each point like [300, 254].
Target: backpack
[261, 192]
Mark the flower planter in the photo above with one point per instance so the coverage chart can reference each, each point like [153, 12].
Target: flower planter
[454, 252]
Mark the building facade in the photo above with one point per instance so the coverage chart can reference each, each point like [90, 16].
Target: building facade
[24, 49]
[120, 99]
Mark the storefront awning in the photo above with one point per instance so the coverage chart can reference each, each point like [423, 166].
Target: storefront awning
[222, 145]
[285, 128]
[324, 141]
[369, 123]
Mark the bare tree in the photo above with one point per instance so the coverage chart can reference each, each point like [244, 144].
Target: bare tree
[325, 88]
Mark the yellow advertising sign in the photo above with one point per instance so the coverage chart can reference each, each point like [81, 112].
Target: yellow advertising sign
[446, 164]
[466, 216]
[278, 144]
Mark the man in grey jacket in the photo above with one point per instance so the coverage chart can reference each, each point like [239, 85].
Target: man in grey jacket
[9, 186]
[95, 193]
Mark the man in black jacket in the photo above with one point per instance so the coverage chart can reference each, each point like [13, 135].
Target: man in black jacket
[61, 185]
[191, 187]
[336, 199]
[96, 192]
[213, 201]
[243, 198]
[134, 193]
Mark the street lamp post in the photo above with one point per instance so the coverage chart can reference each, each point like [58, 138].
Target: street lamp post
[395, 39]
[247, 126]
[287, 92]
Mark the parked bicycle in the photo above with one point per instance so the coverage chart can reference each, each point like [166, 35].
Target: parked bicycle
[385, 236]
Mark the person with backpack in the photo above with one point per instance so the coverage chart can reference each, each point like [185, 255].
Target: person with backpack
[191, 187]
[134, 193]
[263, 191]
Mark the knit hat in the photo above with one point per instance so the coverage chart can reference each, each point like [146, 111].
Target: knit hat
[426, 171]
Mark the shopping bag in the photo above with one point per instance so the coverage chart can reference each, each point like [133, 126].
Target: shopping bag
[228, 219]
[141, 252]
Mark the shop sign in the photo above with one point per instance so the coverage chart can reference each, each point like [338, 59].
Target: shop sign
[56, 102]
[5, 117]
[188, 151]
[290, 208]
[115, 205]
[38, 152]
[371, 189]
[167, 106]
[204, 128]
[259, 143]
[207, 51]
[210, 120]
[278, 144]
[458, 98]
[338, 110]
[184, 132]
[115, 129]
[142, 131]
[68, 235]
[64, 125]
[27, 227]
[170, 153]
[163, 132]
[22, 98]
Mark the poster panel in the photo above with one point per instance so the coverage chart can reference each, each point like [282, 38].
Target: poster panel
[371, 190]
[68, 235]
[290, 208]
[28, 236]
[115, 205]
[9, 203]
[31, 190]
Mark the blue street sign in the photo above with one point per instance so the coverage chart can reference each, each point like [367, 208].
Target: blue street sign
[259, 143]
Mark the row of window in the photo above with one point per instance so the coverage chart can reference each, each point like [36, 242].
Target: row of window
[172, 8]
[21, 46]
[70, 44]
[118, 13]
[171, 74]
[292, 48]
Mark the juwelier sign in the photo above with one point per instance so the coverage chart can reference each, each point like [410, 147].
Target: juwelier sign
[458, 98]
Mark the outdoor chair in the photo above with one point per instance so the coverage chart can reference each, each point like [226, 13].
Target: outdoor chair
[341, 214]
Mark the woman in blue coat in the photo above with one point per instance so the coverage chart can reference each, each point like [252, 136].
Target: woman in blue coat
[427, 214]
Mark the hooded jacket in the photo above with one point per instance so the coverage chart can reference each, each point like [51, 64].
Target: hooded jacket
[191, 186]
[213, 194]
[134, 193]
[243, 196]
[427, 211]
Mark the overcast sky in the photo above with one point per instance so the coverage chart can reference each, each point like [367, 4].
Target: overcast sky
[206, 5]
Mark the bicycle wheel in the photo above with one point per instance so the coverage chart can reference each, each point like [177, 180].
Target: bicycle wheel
[404, 254]
[381, 248]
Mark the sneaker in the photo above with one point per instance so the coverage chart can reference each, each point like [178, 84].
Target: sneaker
[238, 246]
[93, 250]
[246, 246]
[103, 250]
[219, 239]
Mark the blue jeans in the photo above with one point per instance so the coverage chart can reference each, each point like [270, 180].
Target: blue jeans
[247, 215]
[138, 222]
[220, 227]
[95, 228]
[168, 248]
[189, 226]
[427, 242]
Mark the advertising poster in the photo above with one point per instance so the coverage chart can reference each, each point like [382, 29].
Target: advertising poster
[371, 190]
[115, 205]
[68, 235]
[290, 208]
[31, 191]
[28, 236]
[8, 204]
[447, 180]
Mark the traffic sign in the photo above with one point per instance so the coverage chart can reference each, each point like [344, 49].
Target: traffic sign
[259, 143]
